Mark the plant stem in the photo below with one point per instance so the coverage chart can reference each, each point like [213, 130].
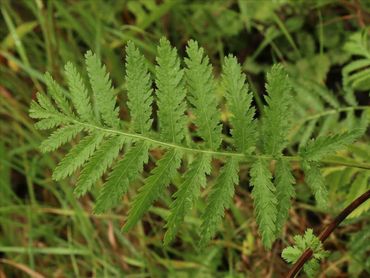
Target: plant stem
[306, 255]
[242, 156]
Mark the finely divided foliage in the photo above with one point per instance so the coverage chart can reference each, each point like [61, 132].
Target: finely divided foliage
[181, 88]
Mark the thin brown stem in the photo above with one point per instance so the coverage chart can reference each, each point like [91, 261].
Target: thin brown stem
[306, 255]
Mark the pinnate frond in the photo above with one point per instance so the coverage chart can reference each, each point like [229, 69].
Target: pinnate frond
[189, 189]
[284, 181]
[265, 201]
[103, 93]
[77, 156]
[325, 145]
[58, 95]
[239, 100]
[92, 116]
[154, 185]
[201, 84]
[125, 172]
[219, 199]
[98, 164]
[59, 137]
[170, 93]
[276, 115]
[316, 182]
[139, 89]
[79, 94]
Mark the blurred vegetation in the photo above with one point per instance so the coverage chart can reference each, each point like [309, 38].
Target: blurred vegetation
[46, 232]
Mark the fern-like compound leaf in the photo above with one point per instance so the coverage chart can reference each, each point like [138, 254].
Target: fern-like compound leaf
[57, 93]
[201, 83]
[239, 100]
[154, 185]
[187, 193]
[170, 93]
[93, 116]
[316, 182]
[59, 137]
[276, 117]
[125, 172]
[292, 253]
[46, 113]
[43, 104]
[324, 145]
[104, 95]
[77, 156]
[79, 94]
[98, 164]
[265, 201]
[139, 89]
[219, 200]
[284, 181]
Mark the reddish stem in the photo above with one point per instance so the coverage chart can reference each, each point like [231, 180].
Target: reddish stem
[306, 255]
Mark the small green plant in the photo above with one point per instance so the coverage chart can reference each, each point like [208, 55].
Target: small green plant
[301, 243]
[184, 94]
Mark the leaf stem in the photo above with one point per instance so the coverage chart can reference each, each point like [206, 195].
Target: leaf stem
[243, 157]
[306, 255]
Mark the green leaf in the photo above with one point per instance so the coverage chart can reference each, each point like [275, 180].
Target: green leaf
[239, 99]
[187, 193]
[98, 164]
[78, 92]
[101, 85]
[325, 145]
[309, 241]
[265, 201]
[219, 200]
[170, 93]
[60, 137]
[284, 181]
[277, 113]
[316, 182]
[201, 83]
[77, 156]
[154, 185]
[126, 171]
[57, 93]
[139, 89]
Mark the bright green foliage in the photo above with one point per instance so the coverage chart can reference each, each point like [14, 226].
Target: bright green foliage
[324, 145]
[201, 83]
[93, 117]
[154, 185]
[317, 149]
[292, 253]
[78, 92]
[276, 115]
[188, 191]
[48, 116]
[219, 199]
[265, 201]
[170, 93]
[316, 182]
[103, 93]
[239, 100]
[57, 94]
[171, 116]
[60, 137]
[139, 89]
[284, 181]
[98, 164]
[125, 172]
[77, 156]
